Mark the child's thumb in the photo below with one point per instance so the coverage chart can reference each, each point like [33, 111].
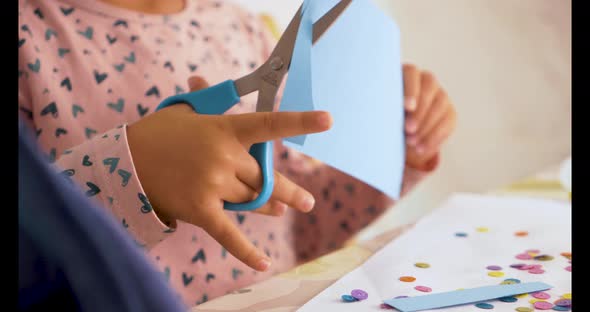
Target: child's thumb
[196, 83]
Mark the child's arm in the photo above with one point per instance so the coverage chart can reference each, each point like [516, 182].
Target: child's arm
[103, 168]
[186, 164]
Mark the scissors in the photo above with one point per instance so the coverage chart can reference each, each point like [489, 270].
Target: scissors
[266, 79]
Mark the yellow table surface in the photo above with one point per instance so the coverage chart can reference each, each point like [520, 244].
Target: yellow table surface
[290, 290]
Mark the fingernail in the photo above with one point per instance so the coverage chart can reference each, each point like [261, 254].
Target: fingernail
[412, 141]
[411, 126]
[263, 264]
[410, 103]
[308, 203]
[324, 120]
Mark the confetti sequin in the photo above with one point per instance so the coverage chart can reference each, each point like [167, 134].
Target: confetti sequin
[385, 306]
[422, 265]
[544, 258]
[541, 295]
[485, 306]
[523, 256]
[348, 298]
[543, 305]
[563, 302]
[359, 294]
[407, 279]
[496, 274]
[423, 288]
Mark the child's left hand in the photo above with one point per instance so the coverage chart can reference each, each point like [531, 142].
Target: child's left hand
[430, 117]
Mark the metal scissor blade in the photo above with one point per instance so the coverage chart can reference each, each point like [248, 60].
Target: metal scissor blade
[321, 26]
[268, 77]
[283, 52]
[284, 48]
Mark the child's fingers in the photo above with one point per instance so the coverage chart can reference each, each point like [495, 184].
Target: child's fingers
[237, 192]
[428, 89]
[292, 194]
[273, 208]
[411, 86]
[437, 111]
[225, 232]
[267, 126]
[196, 83]
[284, 189]
[439, 133]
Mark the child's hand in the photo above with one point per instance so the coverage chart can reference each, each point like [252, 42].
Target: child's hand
[430, 117]
[189, 164]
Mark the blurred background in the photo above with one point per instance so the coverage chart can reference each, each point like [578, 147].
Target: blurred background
[507, 66]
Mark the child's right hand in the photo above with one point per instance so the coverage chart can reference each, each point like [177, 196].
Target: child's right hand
[188, 164]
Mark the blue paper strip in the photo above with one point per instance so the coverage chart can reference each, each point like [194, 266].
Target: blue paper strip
[466, 296]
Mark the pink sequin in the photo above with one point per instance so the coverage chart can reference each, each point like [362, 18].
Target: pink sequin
[541, 295]
[526, 267]
[523, 256]
[543, 305]
[423, 288]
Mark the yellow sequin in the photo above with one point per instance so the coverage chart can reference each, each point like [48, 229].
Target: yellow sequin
[496, 274]
[532, 301]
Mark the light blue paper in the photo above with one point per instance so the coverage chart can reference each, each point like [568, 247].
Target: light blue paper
[466, 296]
[298, 95]
[356, 76]
[298, 89]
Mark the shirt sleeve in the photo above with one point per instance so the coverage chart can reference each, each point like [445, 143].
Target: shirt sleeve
[103, 167]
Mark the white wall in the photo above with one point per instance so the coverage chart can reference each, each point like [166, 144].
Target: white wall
[506, 65]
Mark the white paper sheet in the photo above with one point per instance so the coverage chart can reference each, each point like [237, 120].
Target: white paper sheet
[460, 262]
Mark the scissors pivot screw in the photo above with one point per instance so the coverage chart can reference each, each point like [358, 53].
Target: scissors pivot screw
[276, 63]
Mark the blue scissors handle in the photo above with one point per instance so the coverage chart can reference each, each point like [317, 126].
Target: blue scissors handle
[216, 100]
